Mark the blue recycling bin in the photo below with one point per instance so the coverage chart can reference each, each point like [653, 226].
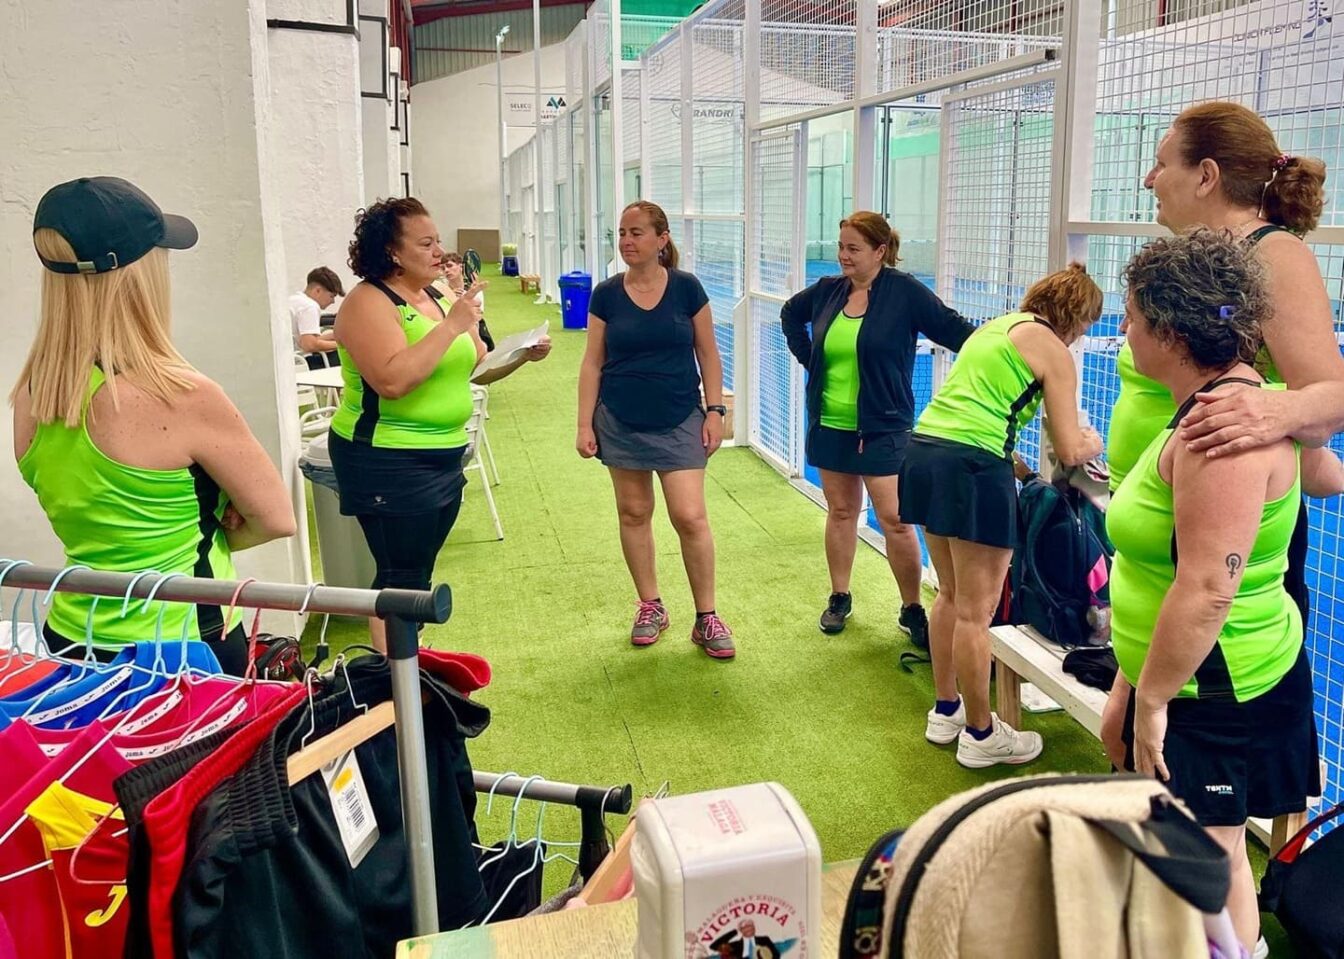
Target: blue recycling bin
[575, 290]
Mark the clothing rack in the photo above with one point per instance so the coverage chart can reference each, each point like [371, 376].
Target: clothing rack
[400, 609]
[593, 802]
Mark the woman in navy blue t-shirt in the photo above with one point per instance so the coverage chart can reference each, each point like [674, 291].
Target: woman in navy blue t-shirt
[650, 346]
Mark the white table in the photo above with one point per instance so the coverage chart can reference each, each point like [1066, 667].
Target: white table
[327, 378]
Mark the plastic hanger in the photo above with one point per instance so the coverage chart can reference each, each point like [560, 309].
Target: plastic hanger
[79, 669]
[511, 840]
[323, 650]
[309, 683]
[536, 848]
[246, 685]
[75, 767]
[245, 688]
[158, 668]
[159, 663]
[14, 647]
[41, 651]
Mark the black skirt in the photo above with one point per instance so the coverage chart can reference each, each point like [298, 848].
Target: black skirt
[959, 491]
[394, 482]
[1229, 761]
[838, 451]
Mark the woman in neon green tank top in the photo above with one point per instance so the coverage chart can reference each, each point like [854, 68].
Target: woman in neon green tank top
[1219, 166]
[1214, 694]
[138, 461]
[957, 483]
[407, 355]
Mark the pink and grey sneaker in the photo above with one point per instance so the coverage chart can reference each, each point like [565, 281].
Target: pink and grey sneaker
[650, 620]
[712, 635]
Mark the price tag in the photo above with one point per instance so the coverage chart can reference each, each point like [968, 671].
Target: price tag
[351, 807]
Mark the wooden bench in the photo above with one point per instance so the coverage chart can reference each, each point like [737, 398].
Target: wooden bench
[1020, 653]
[529, 283]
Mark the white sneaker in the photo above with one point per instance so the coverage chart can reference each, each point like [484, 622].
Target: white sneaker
[941, 729]
[1261, 949]
[1004, 745]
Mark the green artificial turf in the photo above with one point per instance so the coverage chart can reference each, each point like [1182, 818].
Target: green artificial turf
[831, 718]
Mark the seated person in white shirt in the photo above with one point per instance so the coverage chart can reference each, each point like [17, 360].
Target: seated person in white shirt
[305, 313]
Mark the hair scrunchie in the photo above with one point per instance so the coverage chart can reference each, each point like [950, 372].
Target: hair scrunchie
[1282, 162]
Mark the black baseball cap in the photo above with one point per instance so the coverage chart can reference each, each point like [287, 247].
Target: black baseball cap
[109, 222]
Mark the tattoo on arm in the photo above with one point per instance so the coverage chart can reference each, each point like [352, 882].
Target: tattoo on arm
[1233, 562]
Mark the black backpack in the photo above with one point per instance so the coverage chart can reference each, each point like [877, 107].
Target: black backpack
[1304, 888]
[1061, 566]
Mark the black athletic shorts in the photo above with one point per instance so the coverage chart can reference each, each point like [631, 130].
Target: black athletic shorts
[838, 451]
[393, 481]
[1232, 761]
[960, 491]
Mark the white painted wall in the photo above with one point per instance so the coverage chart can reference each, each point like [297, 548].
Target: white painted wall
[380, 72]
[173, 96]
[317, 147]
[382, 162]
[455, 140]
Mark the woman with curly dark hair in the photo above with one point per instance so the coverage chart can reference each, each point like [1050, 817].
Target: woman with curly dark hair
[406, 360]
[1214, 694]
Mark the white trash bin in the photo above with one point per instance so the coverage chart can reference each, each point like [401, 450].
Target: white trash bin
[346, 560]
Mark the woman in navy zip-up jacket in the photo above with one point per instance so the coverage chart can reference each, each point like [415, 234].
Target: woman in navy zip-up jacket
[855, 334]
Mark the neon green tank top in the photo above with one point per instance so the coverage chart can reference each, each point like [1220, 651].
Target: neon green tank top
[840, 391]
[1263, 634]
[111, 516]
[1142, 410]
[989, 396]
[432, 416]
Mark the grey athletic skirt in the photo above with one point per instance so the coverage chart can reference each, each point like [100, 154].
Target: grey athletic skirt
[627, 448]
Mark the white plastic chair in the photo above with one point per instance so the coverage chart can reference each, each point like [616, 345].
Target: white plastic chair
[306, 395]
[480, 408]
[313, 424]
[472, 461]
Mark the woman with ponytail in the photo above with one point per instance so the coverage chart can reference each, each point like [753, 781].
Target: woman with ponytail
[855, 335]
[1220, 167]
[650, 349]
[957, 483]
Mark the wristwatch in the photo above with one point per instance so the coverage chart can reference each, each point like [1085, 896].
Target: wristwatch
[721, 410]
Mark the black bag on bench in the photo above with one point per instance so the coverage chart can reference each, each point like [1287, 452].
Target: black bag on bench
[1061, 565]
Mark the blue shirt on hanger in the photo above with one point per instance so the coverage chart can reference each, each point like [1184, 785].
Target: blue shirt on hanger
[84, 693]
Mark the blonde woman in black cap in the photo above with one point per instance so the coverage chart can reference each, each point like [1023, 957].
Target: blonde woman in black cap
[139, 461]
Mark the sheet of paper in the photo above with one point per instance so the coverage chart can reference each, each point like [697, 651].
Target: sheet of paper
[510, 348]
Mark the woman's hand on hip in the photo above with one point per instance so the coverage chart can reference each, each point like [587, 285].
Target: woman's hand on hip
[1150, 734]
[466, 312]
[586, 442]
[711, 434]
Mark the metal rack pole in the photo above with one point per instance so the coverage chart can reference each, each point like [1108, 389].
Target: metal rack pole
[401, 609]
[402, 653]
[615, 799]
[433, 606]
[593, 803]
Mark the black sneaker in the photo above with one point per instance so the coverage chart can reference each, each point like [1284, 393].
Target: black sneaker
[837, 611]
[915, 622]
